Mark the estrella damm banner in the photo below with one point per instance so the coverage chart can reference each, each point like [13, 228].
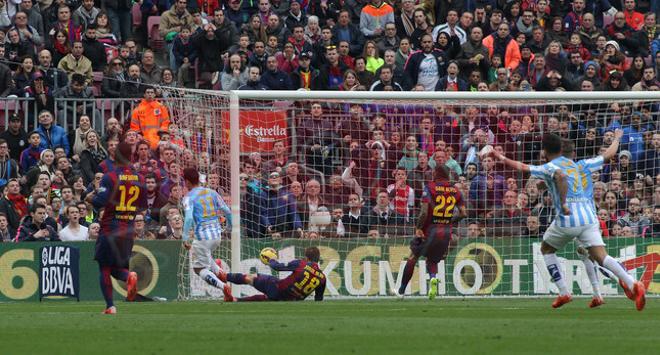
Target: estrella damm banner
[483, 266]
[22, 279]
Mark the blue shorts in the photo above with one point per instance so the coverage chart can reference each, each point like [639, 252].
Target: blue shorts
[113, 251]
[267, 285]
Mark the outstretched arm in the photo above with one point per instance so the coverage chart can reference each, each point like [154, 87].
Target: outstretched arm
[516, 165]
[614, 147]
[278, 266]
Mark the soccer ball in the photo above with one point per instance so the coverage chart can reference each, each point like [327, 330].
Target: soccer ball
[267, 254]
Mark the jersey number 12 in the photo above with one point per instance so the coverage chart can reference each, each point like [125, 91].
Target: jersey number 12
[126, 198]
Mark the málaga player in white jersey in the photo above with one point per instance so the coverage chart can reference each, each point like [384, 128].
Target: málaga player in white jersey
[588, 167]
[203, 207]
[575, 218]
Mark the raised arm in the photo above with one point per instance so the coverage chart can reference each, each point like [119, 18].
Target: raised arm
[511, 163]
[614, 147]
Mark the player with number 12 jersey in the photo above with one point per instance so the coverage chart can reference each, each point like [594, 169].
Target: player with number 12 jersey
[122, 195]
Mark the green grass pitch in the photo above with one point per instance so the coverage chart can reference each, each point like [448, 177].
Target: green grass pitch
[411, 326]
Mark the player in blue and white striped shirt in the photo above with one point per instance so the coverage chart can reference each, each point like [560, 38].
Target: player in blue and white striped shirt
[568, 185]
[203, 207]
[589, 166]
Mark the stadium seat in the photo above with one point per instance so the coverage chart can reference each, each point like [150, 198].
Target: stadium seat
[156, 42]
[137, 15]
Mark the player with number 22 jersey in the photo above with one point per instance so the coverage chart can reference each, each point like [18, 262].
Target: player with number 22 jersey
[442, 206]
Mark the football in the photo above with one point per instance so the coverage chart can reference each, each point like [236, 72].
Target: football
[266, 254]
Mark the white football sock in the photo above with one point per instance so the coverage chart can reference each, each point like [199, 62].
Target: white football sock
[610, 264]
[214, 267]
[554, 268]
[211, 279]
[592, 274]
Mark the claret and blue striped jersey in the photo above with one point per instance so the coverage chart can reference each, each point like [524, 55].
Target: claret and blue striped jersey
[579, 197]
[203, 207]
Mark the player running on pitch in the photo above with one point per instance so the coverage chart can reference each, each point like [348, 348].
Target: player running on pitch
[588, 167]
[203, 207]
[442, 206]
[575, 218]
[122, 195]
[306, 277]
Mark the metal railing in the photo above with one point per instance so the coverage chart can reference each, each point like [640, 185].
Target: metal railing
[67, 111]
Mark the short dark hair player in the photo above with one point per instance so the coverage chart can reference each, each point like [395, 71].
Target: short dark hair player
[442, 206]
[306, 277]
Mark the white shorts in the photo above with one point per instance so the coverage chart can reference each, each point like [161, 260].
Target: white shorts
[202, 252]
[588, 236]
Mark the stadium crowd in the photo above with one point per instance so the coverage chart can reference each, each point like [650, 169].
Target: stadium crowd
[358, 169]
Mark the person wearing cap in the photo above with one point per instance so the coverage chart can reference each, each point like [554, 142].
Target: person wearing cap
[295, 16]
[625, 167]
[591, 73]
[305, 76]
[15, 137]
[41, 92]
[279, 213]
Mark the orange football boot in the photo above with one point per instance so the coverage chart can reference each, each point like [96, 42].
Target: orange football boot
[561, 300]
[131, 286]
[596, 302]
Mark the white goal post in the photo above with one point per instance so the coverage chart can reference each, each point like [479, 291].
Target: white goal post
[491, 263]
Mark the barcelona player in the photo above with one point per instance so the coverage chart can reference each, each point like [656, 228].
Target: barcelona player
[306, 277]
[442, 206]
[567, 183]
[122, 195]
[203, 207]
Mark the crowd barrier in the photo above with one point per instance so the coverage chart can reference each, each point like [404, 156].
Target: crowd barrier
[358, 267]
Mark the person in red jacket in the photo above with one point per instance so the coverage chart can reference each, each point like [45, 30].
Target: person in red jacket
[501, 43]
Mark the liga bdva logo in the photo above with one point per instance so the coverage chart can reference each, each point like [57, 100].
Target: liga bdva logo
[59, 271]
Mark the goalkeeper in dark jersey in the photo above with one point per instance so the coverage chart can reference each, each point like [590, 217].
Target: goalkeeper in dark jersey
[306, 277]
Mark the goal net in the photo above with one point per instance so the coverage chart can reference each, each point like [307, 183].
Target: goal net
[345, 172]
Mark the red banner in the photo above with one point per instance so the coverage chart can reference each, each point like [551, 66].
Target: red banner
[259, 129]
